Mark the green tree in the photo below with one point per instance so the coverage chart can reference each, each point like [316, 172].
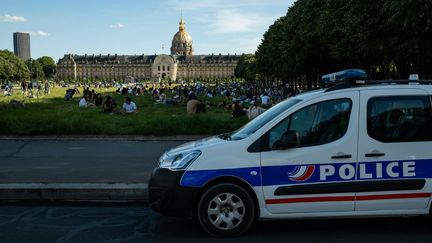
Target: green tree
[268, 54]
[389, 39]
[246, 67]
[17, 70]
[408, 28]
[48, 66]
[6, 69]
[36, 69]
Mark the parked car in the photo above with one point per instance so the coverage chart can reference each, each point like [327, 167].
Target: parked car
[356, 148]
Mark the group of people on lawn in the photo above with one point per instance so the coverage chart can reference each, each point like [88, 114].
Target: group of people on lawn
[93, 99]
[193, 105]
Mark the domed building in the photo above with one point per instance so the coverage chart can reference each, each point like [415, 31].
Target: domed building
[181, 64]
[182, 42]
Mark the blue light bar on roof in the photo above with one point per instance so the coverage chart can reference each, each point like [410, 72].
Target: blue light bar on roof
[349, 74]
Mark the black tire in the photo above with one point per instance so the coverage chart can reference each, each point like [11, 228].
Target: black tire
[234, 201]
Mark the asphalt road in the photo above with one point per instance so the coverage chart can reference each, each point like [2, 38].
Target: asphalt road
[79, 161]
[140, 224]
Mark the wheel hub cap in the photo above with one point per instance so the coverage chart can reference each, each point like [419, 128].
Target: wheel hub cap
[226, 211]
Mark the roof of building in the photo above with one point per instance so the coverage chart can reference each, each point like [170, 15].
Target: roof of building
[145, 59]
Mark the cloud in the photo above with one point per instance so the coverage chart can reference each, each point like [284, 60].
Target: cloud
[234, 21]
[227, 16]
[221, 4]
[196, 5]
[39, 33]
[12, 18]
[116, 26]
[242, 44]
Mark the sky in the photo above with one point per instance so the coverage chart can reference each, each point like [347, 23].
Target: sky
[129, 27]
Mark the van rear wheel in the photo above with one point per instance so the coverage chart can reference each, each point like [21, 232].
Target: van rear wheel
[226, 210]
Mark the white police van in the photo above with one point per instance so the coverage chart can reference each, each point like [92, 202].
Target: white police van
[358, 148]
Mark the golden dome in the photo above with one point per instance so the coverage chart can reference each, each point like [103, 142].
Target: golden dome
[182, 41]
[182, 37]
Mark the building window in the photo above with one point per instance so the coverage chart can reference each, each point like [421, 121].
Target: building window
[158, 68]
[163, 68]
[168, 68]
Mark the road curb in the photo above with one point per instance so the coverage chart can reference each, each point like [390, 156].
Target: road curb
[74, 191]
[102, 138]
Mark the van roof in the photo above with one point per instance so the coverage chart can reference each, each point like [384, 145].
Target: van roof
[318, 92]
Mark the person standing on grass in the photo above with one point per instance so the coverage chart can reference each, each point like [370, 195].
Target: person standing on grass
[265, 100]
[46, 87]
[129, 106]
[24, 88]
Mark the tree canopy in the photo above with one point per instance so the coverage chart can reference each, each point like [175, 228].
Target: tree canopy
[388, 39]
[12, 68]
[36, 69]
[246, 67]
[48, 66]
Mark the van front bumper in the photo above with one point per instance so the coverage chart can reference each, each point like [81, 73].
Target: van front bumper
[167, 197]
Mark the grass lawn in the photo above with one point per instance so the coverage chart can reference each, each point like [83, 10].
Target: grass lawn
[50, 114]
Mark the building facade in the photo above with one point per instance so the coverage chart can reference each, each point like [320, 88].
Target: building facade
[182, 64]
[22, 45]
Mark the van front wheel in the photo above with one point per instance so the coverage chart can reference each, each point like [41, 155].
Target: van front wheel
[226, 210]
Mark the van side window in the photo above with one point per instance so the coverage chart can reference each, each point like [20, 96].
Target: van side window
[316, 124]
[399, 119]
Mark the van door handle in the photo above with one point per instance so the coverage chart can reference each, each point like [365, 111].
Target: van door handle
[374, 154]
[342, 156]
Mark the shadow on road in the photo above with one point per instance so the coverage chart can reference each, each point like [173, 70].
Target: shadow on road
[140, 224]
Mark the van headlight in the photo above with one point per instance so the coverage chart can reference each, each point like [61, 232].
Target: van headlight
[178, 161]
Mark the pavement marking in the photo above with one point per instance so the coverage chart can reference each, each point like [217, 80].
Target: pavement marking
[76, 148]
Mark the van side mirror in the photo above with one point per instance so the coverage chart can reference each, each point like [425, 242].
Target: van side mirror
[290, 139]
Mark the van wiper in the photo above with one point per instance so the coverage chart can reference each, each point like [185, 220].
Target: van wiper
[225, 136]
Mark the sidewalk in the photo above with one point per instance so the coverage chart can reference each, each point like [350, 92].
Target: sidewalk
[102, 138]
[74, 192]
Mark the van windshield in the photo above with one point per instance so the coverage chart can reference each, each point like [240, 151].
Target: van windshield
[261, 120]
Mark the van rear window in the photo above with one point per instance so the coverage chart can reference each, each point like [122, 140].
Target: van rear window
[399, 119]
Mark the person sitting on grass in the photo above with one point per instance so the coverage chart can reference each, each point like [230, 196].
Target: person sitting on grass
[85, 102]
[7, 91]
[70, 93]
[237, 109]
[98, 100]
[109, 105]
[162, 99]
[30, 93]
[82, 102]
[194, 106]
[129, 106]
[254, 110]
